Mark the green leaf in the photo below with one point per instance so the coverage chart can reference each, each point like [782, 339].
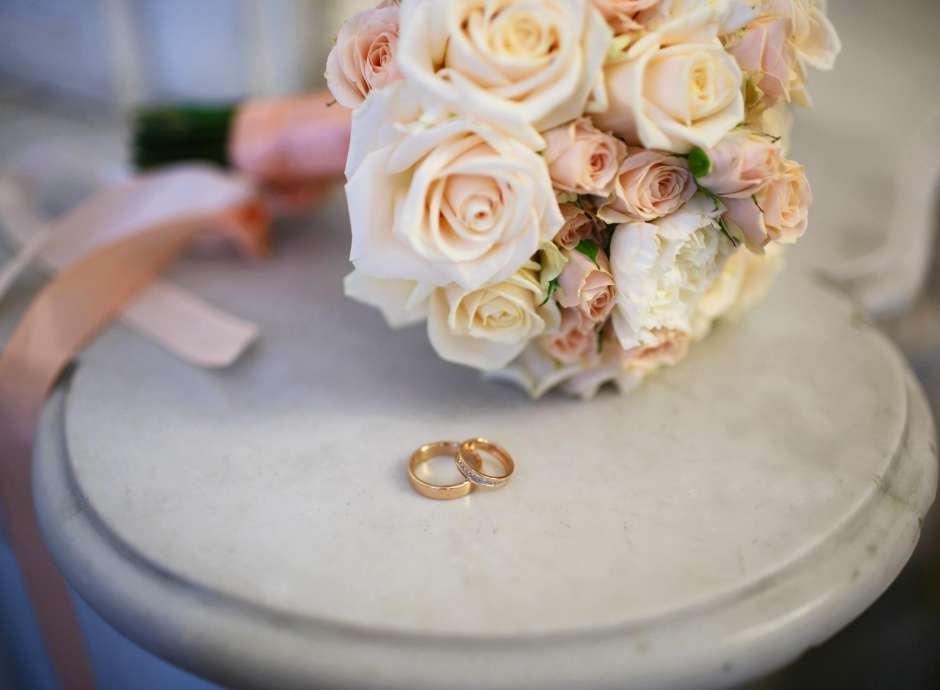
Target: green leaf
[589, 249]
[553, 286]
[699, 162]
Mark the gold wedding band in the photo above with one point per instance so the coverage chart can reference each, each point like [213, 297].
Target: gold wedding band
[436, 491]
[470, 463]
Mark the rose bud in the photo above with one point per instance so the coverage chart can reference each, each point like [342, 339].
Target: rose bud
[582, 159]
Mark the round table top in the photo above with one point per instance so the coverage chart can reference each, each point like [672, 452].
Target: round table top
[256, 524]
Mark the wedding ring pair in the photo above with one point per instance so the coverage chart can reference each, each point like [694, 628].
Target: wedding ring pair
[467, 456]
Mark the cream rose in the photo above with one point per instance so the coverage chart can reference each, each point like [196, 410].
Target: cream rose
[380, 122]
[579, 224]
[515, 63]
[587, 285]
[581, 158]
[455, 203]
[745, 280]
[662, 269]
[488, 327]
[741, 165]
[363, 58]
[648, 185]
[778, 213]
[402, 302]
[811, 34]
[674, 97]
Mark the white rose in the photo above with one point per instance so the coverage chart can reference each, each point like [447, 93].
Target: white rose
[674, 96]
[454, 203]
[517, 63]
[488, 327]
[402, 302]
[662, 270]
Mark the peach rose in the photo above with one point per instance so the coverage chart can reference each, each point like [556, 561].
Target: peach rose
[622, 15]
[575, 339]
[778, 213]
[579, 225]
[610, 365]
[587, 285]
[581, 158]
[671, 346]
[741, 165]
[649, 185]
[363, 58]
[763, 54]
[811, 34]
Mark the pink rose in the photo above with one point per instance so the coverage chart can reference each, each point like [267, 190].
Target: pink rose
[363, 58]
[621, 15]
[587, 285]
[763, 54]
[672, 347]
[778, 213]
[575, 339]
[648, 185]
[579, 225]
[581, 158]
[742, 164]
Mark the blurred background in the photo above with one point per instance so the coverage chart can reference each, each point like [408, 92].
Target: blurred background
[71, 69]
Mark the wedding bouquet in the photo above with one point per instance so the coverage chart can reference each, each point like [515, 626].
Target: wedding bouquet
[570, 192]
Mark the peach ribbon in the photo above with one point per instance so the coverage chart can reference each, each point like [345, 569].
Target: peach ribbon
[181, 322]
[111, 250]
[62, 319]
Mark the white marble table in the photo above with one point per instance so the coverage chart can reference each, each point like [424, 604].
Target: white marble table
[256, 525]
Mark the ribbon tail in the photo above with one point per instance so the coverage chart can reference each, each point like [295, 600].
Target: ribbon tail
[189, 327]
[66, 314]
[50, 596]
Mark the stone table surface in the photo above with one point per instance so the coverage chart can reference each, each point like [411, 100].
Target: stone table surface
[256, 525]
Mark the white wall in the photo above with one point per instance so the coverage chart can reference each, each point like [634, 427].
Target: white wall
[120, 51]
